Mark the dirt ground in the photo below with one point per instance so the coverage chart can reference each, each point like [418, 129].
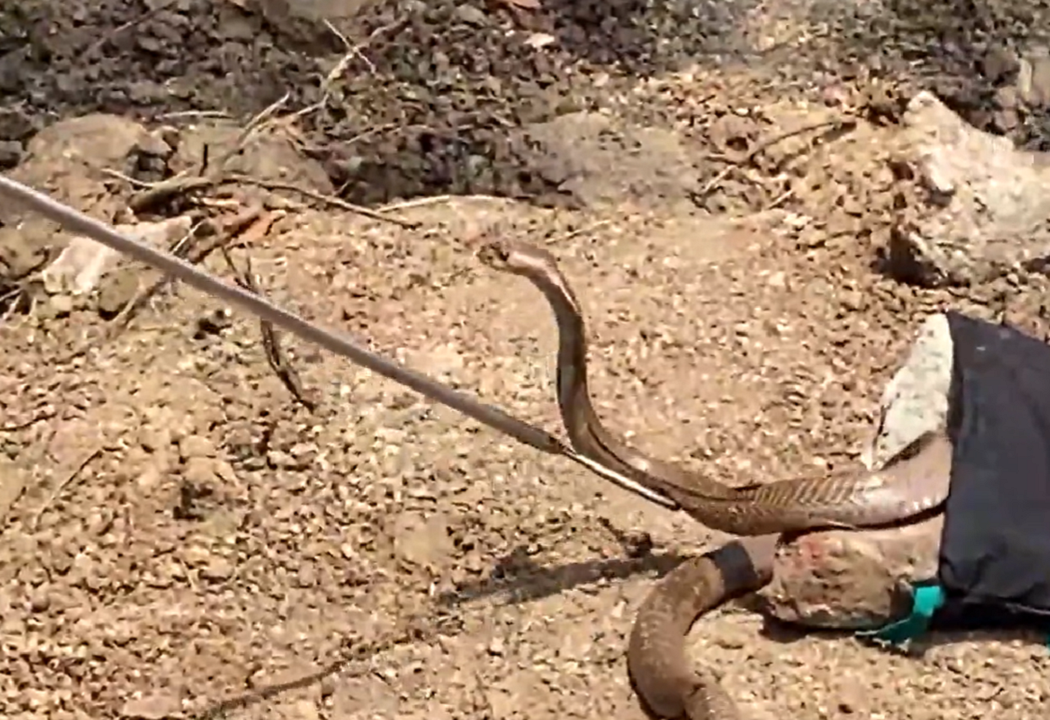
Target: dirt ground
[181, 539]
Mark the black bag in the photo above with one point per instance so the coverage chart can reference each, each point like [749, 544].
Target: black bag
[994, 562]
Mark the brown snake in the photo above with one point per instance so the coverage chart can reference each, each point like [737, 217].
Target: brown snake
[656, 654]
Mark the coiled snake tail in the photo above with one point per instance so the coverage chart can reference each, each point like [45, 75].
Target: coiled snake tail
[656, 655]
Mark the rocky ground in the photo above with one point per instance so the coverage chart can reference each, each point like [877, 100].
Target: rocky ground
[181, 538]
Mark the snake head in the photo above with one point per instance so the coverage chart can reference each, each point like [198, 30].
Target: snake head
[533, 263]
[495, 253]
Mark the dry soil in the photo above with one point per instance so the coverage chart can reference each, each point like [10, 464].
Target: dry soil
[180, 538]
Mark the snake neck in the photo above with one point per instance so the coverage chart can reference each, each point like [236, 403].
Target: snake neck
[585, 429]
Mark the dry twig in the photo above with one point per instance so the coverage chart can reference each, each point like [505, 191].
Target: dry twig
[585, 230]
[13, 301]
[437, 200]
[208, 175]
[760, 147]
[39, 417]
[275, 355]
[340, 67]
[65, 482]
[182, 248]
[424, 626]
[321, 197]
[167, 189]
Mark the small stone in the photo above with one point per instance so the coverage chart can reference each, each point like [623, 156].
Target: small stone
[154, 438]
[118, 290]
[153, 145]
[149, 478]
[196, 446]
[224, 471]
[1033, 81]
[40, 601]
[303, 451]
[328, 686]
[218, 569]
[62, 305]
[998, 63]
[471, 15]
[280, 459]
[155, 706]
[852, 300]
[305, 710]
[10, 153]
[195, 555]
[1007, 98]
[1006, 120]
[200, 472]
[307, 576]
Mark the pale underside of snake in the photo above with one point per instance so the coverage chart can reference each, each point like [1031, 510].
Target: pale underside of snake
[656, 657]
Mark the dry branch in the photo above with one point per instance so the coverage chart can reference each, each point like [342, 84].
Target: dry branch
[275, 355]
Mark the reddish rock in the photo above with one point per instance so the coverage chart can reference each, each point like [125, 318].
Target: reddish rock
[851, 580]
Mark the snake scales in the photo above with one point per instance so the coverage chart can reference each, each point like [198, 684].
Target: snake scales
[656, 656]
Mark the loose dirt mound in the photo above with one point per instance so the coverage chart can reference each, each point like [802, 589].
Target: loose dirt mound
[432, 96]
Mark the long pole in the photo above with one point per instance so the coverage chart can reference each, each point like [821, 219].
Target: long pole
[259, 306]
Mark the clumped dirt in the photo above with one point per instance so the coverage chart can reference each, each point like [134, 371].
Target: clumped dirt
[180, 538]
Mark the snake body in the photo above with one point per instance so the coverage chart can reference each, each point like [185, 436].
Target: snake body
[656, 656]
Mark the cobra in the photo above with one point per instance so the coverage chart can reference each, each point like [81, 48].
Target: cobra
[913, 485]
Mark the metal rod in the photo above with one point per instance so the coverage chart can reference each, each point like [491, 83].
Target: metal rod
[263, 308]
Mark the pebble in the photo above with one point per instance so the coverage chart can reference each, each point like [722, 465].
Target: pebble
[199, 471]
[155, 706]
[305, 710]
[196, 446]
[218, 569]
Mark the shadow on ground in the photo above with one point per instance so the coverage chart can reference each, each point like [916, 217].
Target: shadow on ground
[529, 581]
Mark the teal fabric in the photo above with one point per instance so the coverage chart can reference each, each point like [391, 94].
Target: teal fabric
[926, 600]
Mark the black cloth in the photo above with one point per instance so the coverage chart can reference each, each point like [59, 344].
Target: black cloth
[994, 560]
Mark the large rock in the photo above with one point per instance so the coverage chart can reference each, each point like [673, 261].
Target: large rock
[67, 160]
[980, 209]
[851, 580]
